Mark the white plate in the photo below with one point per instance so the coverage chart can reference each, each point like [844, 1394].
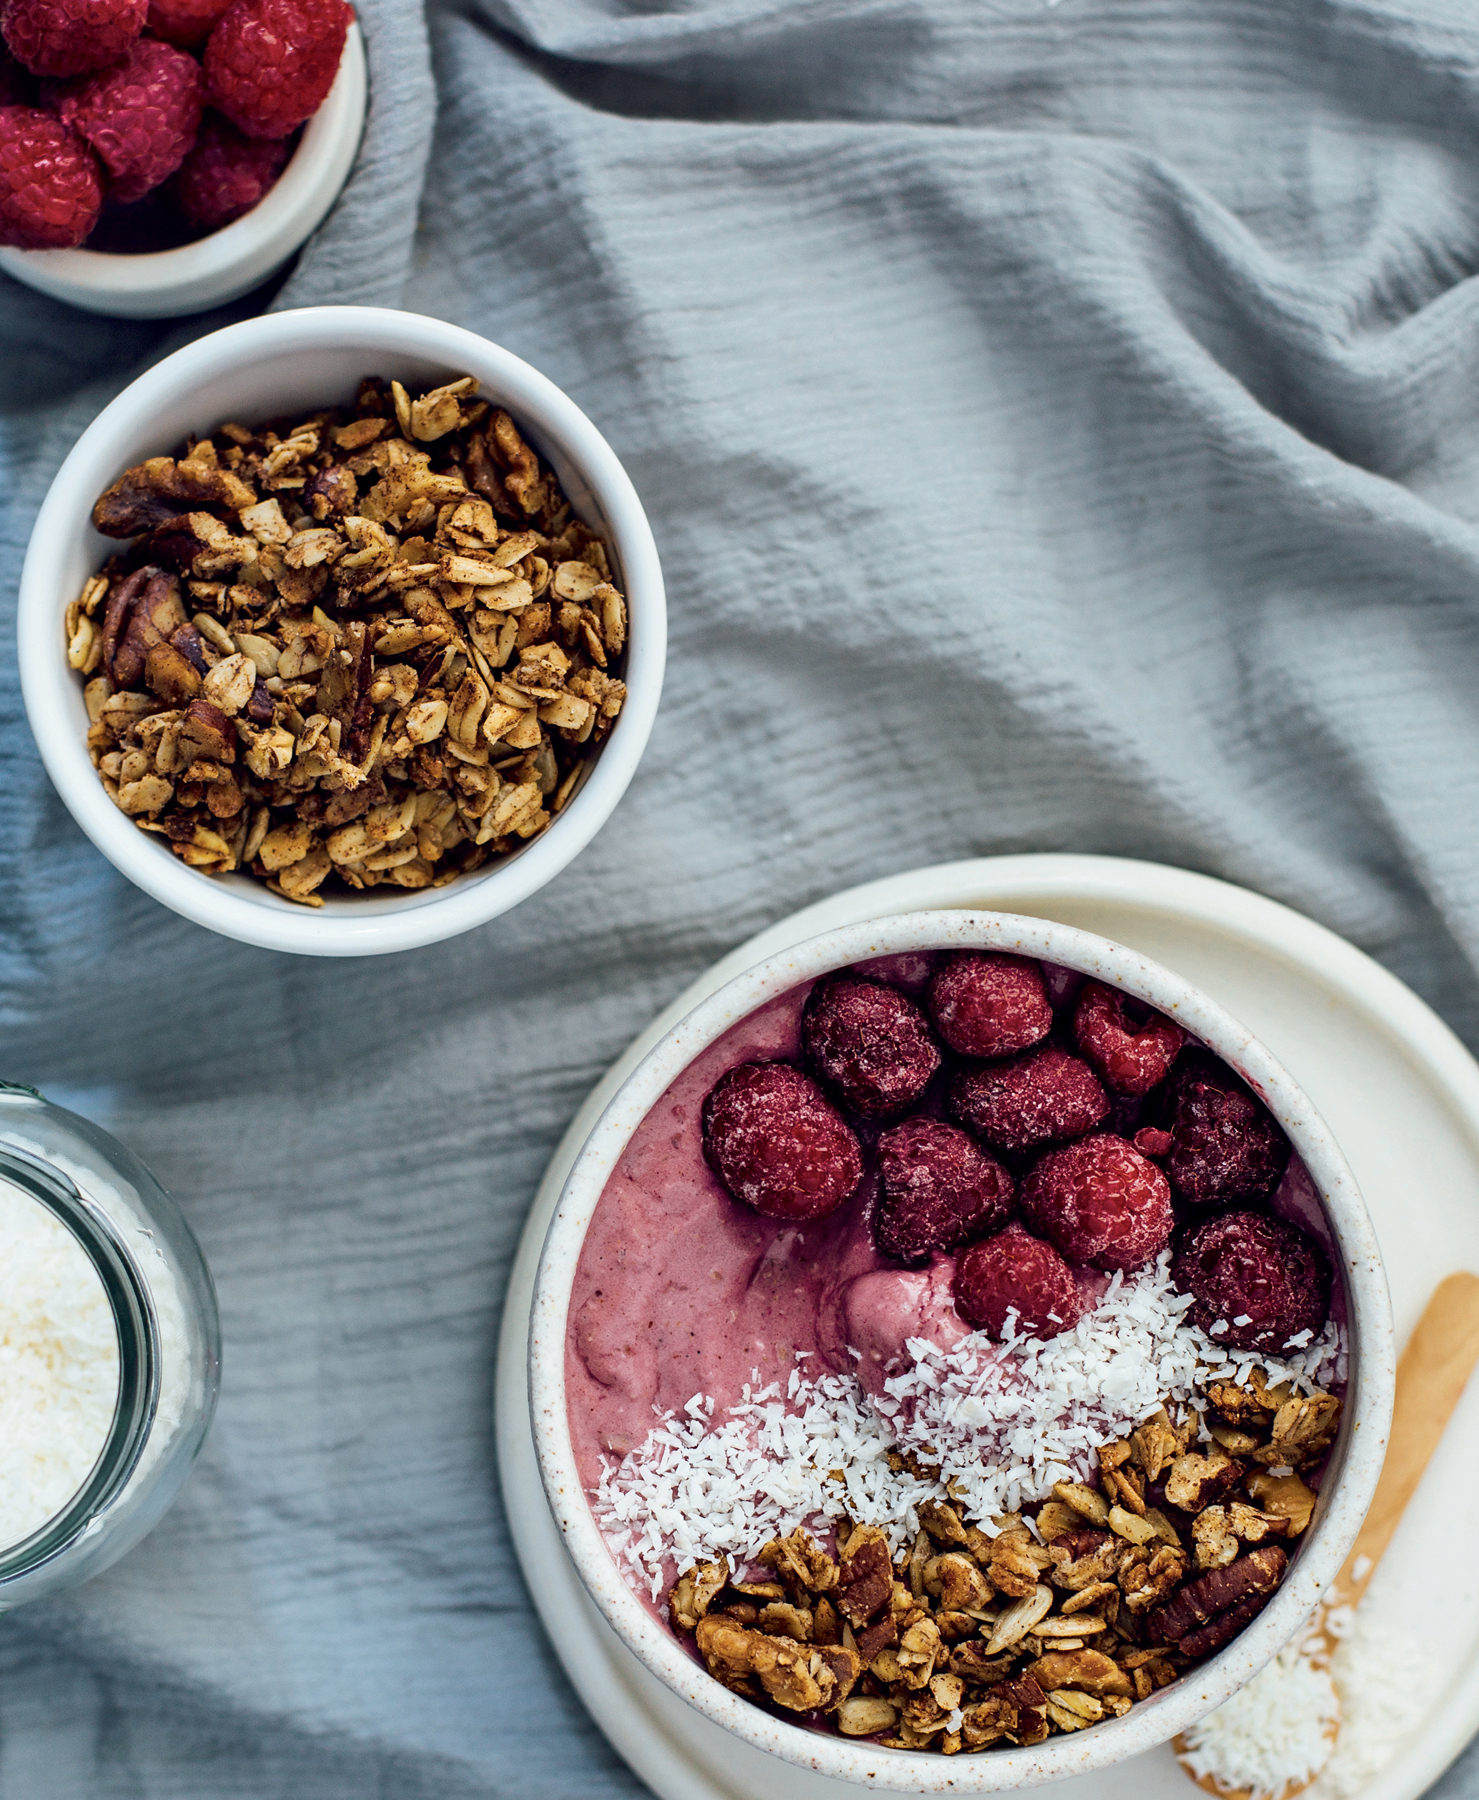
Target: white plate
[1400, 1093]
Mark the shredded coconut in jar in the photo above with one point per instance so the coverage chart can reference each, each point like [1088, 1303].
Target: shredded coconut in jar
[59, 1365]
[176, 1367]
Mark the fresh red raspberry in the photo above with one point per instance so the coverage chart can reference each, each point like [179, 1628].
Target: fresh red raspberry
[1099, 1201]
[50, 190]
[185, 23]
[1225, 1144]
[141, 116]
[869, 1042]
[269, 64]
[1033, 1099]
[69, 37]
[226, 174]
[986, 1003]
[939, 1189]
[1132, 1046]
[1262, 1280]
[1016, 1272]
[778, 1144]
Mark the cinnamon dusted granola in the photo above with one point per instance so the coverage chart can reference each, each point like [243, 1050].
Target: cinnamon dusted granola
[373, 645]
[969, 1637]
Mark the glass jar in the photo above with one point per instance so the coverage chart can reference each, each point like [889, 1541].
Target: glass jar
[163, 1306]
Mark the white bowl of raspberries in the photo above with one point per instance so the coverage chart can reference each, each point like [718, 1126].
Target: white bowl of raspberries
[960, 1357]
[158, 157]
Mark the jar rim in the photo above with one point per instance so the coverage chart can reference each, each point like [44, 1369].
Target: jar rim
[137, 1326]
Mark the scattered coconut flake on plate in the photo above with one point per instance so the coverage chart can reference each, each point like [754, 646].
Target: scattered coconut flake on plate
[1002, 1421]
[1274, 1735]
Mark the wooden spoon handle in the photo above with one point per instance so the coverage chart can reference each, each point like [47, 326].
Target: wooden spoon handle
[1435, 1366]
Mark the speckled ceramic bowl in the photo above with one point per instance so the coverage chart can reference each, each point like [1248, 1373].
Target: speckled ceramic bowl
[1346, 1491]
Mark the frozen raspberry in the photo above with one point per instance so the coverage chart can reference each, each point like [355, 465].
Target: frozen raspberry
[1261, 1280]
[141, 116]
[17, 84]
[68, 37]
[226, 174]
[1032, 1099]
[939, 1189]
[907, 969]
[50, 190]
[185, 23]
[1225, 1144]
[270, 63]
[989, 1004]
[1014, 1271]
[1099, 1201]
[1132, 1046]
[778, 1144]
[869, 1042]
[1150, 1142]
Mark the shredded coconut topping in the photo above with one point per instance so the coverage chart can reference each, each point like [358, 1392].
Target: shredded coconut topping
[1002, 1421]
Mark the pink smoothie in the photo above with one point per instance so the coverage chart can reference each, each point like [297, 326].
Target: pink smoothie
[679, 1291]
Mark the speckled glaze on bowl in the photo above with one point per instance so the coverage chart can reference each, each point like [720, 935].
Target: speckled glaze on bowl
[293, 362]
[1346, 1491]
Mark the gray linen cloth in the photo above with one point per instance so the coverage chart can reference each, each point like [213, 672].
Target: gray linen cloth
[1059, 428]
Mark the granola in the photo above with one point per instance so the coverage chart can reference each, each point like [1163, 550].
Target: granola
[969, 1638]
[370, 647]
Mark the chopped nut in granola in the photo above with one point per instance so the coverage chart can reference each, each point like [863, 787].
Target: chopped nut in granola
[331, 656]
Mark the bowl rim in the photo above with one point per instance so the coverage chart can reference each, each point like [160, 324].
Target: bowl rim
[226, 263]
[1360, 1447]
[120, 435]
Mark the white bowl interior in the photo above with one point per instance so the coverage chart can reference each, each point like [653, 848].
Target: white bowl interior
[287, 363]
[230, 262]
[1346, 1491]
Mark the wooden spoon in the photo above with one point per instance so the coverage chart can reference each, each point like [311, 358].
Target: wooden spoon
[1435, 1367]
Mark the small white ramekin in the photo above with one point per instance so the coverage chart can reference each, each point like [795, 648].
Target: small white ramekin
[1346, 1491]
[232, 261]
[292, 362]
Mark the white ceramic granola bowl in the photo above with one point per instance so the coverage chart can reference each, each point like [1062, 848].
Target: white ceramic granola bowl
[291, 362]
[163, 284]
[1346, 1491]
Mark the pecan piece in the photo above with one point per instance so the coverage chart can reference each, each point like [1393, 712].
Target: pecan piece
[1194, 1482]
[866, 1576]
[1252, 1578]
[883, 1634]
[1085, 1557]
[206, 734]
[156, 490]
[845, 1667]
